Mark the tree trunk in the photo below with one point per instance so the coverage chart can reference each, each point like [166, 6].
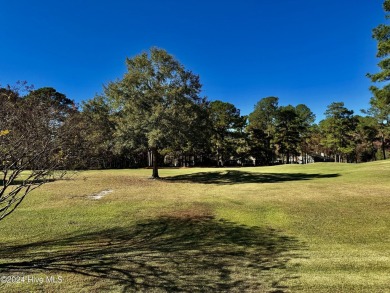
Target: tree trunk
[150, 160]
[270, 153]
[219, 158]
[155, 163]
[383, 147]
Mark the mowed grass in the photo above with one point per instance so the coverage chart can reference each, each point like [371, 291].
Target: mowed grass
[321, 227]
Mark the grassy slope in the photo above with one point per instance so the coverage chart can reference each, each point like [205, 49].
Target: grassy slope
[311, 228]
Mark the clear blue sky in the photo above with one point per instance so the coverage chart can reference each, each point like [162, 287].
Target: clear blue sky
[302, 51]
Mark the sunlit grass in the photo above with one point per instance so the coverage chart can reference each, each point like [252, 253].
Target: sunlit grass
[324, 229]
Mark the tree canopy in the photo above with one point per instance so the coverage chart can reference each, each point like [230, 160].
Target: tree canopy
[380, 101]
[156, 104]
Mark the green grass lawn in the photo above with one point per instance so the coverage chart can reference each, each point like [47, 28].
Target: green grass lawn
[296, 228]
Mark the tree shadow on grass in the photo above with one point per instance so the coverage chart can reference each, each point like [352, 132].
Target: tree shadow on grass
[235, 177]
[189, 254]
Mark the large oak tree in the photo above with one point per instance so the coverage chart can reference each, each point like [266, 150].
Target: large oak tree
[156, 104]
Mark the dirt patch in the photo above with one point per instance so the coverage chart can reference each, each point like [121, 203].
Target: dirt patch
[101, 194]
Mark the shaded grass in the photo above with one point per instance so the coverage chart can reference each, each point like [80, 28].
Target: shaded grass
[312, 228]
[240, 176]
[184, 254]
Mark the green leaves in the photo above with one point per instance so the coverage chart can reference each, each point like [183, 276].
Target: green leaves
[382, 35]
[380, 102]
[283, 129]
[157, 103]
[288, 130]
[338, 129]
[226, 126]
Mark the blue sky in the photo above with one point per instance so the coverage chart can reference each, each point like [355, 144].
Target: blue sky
[302, 51]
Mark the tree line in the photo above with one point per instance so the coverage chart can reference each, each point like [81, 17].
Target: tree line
[155, 116]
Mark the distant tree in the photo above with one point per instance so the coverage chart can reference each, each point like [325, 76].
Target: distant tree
[227, 130]
[262, 128]
[243, 147]
[97, 125]
[156, 104]
[32, 145]
[365, 137]
[314, 142]
[337, 131]
[380, 112]
[306, 120]
[57, 105]
[288, 129]
[258, 145]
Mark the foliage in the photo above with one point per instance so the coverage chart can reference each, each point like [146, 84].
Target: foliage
[380, 102]
[32, 138]
[99, 133]
[262, 128]
[288, 128]
[282, 130]
[337, 129]
[382, 35]
[227, 126]
[380, 111]
[366, 134]
[156, 105]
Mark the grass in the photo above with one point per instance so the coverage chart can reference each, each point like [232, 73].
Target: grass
[296, 228]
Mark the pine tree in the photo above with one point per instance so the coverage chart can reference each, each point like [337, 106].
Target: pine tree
[380, 102]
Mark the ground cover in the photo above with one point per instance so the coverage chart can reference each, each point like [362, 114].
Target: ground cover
[299, 228]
